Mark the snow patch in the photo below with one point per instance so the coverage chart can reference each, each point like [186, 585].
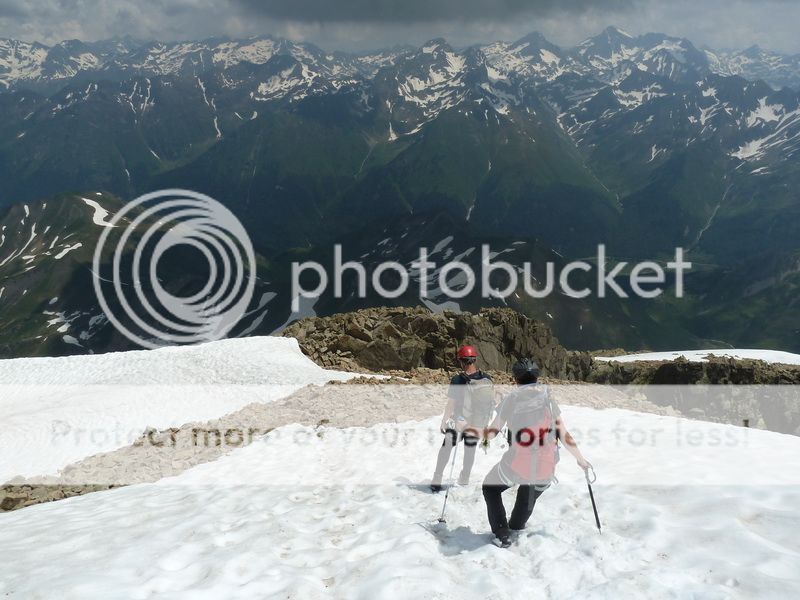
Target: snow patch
[765, 113]
[770, 356]
[100, 215]
[118, 395]
[67, 250]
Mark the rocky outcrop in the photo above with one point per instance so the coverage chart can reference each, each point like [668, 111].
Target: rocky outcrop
[385, 339]
[15, 497]
[716, 371]
[723, 389]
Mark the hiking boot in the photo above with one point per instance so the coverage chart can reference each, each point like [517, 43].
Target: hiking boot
[502, 541]
[436, 485]
[463, 479]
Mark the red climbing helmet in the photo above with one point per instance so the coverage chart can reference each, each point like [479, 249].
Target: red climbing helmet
[467, 352]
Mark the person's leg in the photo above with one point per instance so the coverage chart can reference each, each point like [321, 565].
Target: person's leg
[450, 440]
[470, 448]
[493, 489]
[523, 506]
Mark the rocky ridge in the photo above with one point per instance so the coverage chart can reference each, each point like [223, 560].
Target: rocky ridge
[403, 339]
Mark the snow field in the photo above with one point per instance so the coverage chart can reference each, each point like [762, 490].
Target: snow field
[56, 411]
[325, 513]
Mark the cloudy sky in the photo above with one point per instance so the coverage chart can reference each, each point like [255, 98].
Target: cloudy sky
[365, 24]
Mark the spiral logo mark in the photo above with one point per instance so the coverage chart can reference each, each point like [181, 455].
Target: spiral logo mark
[152, 225]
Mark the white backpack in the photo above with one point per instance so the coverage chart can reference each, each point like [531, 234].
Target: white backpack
[478, 402]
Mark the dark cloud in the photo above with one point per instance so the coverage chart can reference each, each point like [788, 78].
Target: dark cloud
[418, 11]
[369, 24]
[12, 10]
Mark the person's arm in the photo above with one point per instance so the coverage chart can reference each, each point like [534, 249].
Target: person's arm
[494, 429]
[448, 413]
[570, 444]
[496, 426]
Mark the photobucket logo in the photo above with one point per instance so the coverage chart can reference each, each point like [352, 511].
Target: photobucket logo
[456, 279]
[140, 235]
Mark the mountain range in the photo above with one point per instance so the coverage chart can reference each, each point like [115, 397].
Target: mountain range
[641, 143]
[31, 64]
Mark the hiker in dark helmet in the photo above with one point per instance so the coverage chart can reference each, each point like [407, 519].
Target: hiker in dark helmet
[470, 407]
[535, 427]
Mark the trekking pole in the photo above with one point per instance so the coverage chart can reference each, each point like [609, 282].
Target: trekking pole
[452, 467]
[589, 483]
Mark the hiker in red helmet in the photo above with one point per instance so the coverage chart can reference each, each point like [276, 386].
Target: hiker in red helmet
[470, 406]
[466, 352]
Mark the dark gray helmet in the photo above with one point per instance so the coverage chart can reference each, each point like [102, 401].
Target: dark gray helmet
[525, 369]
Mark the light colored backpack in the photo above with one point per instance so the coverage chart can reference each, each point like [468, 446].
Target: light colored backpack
[478, 402]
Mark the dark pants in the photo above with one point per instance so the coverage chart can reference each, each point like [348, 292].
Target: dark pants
[523, 507]
[451, 438]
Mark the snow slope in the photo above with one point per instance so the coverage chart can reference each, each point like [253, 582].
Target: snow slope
[335, 514]
[770, 356]
[56, 411]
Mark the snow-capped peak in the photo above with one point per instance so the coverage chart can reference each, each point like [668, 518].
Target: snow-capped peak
[615, 32]
[605, 56]
[434, 46]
